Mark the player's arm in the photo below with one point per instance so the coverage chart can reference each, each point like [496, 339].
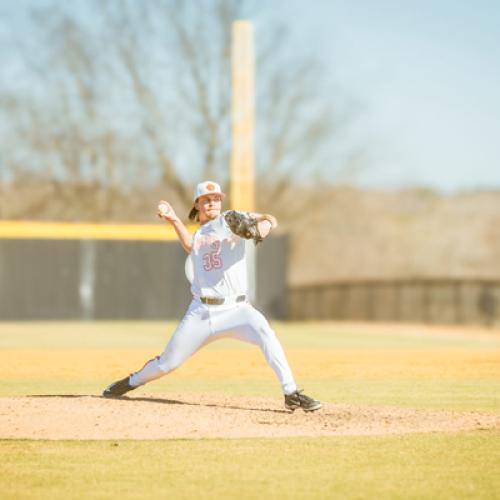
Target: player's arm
[166, 212]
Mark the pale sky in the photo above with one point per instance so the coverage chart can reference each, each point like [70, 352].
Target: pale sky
[426, 73]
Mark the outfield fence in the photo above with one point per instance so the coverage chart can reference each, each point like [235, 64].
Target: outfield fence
[426, 300]
[58, 271]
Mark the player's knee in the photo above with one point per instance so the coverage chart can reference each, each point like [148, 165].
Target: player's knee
[169, 364]
[265, 333]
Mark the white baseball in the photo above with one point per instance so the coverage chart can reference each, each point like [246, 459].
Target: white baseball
[164, 208]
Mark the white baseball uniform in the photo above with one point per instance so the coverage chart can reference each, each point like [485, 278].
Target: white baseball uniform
[220, 272]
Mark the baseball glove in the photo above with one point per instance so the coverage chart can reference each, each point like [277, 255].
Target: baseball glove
[244, 225]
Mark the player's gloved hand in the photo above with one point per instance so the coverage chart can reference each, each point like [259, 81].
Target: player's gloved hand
[243, 225]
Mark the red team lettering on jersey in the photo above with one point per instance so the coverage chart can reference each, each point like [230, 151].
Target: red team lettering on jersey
[204, 240]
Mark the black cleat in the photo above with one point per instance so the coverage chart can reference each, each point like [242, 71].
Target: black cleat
[299, 400]
[117, 389]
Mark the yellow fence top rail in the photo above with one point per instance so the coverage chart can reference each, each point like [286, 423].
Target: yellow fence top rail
[90, 231]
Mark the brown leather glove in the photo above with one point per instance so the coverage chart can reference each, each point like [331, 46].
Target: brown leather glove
[244, 225]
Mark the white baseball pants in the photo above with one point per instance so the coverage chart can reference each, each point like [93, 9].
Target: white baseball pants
[203, 324]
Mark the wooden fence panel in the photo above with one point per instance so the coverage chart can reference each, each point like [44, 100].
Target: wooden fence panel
[426, 300]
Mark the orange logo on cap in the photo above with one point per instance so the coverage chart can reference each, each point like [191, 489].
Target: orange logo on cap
[210, 187]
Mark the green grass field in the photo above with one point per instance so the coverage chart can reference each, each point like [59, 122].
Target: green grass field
[420, 368]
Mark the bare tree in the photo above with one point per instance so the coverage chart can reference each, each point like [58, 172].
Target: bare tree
[61, 126]
[135, 94]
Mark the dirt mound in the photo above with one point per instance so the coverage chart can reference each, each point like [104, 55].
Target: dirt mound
[193, 416]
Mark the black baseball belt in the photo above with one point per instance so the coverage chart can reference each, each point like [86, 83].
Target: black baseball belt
[218, 301]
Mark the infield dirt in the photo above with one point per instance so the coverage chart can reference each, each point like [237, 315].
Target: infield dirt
[194, 416]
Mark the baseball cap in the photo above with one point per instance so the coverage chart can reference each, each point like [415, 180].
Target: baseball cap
[207, 187]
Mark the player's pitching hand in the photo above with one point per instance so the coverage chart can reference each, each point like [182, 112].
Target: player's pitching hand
[166, 212]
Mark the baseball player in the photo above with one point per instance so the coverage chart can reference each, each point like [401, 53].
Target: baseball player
[219, 308]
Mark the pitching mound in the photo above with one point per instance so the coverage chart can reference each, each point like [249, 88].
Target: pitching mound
[194, 416]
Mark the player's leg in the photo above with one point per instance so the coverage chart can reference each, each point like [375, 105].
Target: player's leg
[258, 330]
[189, 335]
[245, 323]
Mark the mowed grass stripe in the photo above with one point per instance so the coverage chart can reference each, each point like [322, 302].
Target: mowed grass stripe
[294, 335]
[443, 466]
[250, 363]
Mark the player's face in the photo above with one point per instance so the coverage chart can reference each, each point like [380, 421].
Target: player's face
[209, 207]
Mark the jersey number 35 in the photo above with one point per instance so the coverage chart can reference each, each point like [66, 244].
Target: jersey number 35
[212, 260]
